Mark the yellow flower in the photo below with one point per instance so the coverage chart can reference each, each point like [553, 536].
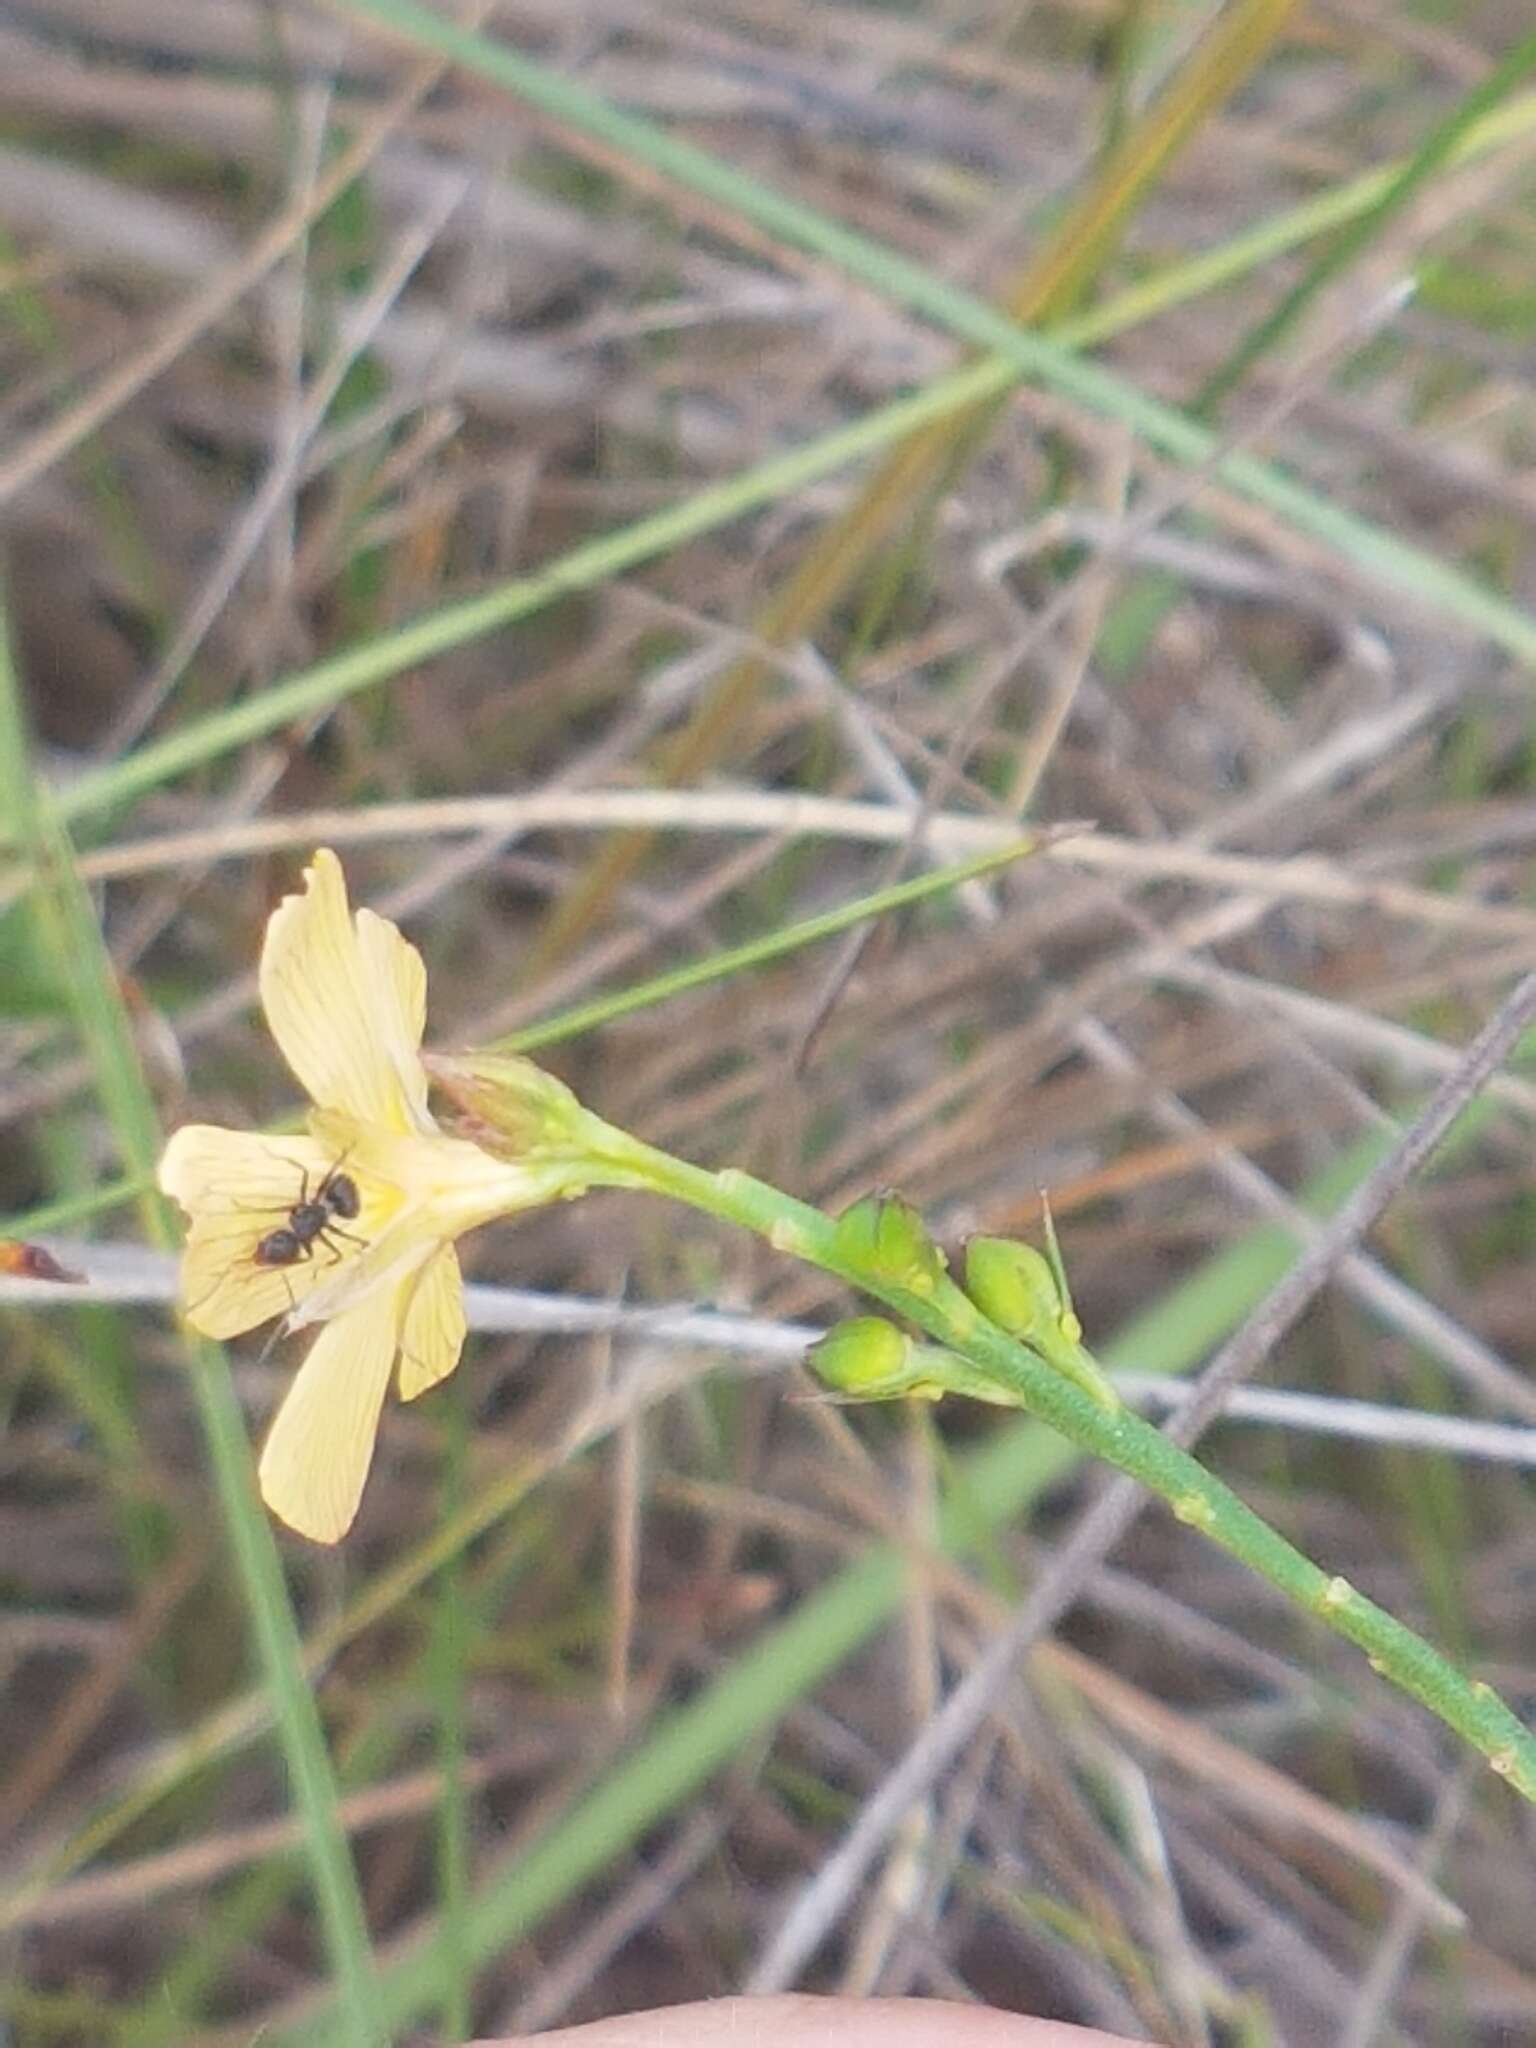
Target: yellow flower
[352, 1226]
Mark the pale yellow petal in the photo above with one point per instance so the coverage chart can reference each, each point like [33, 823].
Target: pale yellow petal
[320, 1446]
[433, 1335]
[206, 1167]
[399, 1003]
[236, 1186]
[345, 1011]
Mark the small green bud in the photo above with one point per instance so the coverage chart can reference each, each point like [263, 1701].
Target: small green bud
[1013, 1286]
[869, 1359]
[863, 1358]
[1025, 1294]
[886, 1239]
[516, 1106]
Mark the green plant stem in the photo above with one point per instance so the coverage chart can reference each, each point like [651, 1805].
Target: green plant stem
[1120, 1437]
[773, 945]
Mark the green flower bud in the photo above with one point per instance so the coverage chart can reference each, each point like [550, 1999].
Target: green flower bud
[1025, 1294]
[887, 1239]
[869, 1359]
[865, 1358]
[1013, 1286]
[516, 1107]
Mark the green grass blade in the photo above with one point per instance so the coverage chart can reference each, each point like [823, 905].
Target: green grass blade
[1409, 570]
[73, 1208]
[758, 952]
[1020, 355]
[447, 1660]
[85, 971]
[1140, 609]
[1438, 149]
[1175, 284]
[328, 682]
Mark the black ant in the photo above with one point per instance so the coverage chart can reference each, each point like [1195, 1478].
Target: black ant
[312, 1220]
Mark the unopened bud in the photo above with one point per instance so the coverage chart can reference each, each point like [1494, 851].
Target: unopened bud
[517, 1107]
[886, 1239]
[1013, 1286]
[1025, 1294]
[863, 1358]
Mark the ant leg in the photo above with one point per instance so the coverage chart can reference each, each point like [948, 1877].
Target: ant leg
[276, 1210]
[280, 1330]
[329, 1236]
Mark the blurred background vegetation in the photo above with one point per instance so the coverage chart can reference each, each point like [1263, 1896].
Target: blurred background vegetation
[412, 415]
